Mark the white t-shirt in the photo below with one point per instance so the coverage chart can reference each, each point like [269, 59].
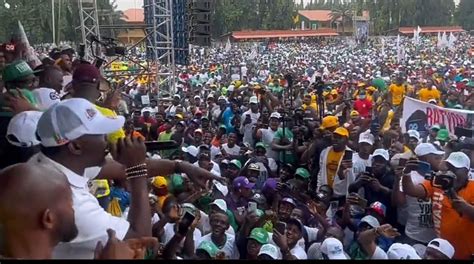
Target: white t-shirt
[235, 150]
[297, 251]
[91, 219]
[419, 225]
[379, 254]
[312, 236]
[170, 232]
[229, 248]
[247, 129]
[267, 137]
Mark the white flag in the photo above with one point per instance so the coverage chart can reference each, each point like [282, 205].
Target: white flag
[383, 47]
[228, 46]
[438, 44]
[452, 39]
[444, 41]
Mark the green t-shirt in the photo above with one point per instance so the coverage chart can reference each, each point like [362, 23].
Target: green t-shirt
[27, 93]
[164, 136]
[289, 155]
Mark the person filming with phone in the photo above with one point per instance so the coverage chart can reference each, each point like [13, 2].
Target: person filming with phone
[452, 195]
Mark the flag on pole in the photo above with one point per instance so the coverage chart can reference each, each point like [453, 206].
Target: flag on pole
[452, 39]
[438, 44]
[228, 46]
[29, 54]
[444, 41]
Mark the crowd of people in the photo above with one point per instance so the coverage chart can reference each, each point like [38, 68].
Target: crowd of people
[278, 150]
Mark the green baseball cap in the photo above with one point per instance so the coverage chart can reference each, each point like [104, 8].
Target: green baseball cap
[209, 247]
[17, 70]
[260, 235]
[260, 144]
[236, 163]
[304, 173]
[443, 134]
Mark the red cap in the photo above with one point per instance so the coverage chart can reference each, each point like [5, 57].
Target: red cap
[86, 73]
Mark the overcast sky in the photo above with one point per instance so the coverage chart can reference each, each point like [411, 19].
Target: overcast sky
[126, 4]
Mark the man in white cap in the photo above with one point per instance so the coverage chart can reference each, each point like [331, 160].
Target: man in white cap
[269, 252]
[419, 224]
[439, 249]
[249, 119]
[72, 135]
[378, 184]
[362, 159]
[413, 139]
[266, 135]
[21, 134]
[452, 199]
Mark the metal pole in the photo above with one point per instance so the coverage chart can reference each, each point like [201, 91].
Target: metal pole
[54, 22]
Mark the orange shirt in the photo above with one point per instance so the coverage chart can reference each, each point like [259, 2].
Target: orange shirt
[449, 225]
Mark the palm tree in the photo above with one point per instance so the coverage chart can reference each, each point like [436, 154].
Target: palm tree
[343, 13]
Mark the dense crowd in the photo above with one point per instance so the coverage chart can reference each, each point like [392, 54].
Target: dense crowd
[275, 150]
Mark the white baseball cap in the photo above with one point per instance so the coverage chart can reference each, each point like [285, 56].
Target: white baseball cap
[366, 137]
[73, 118]
[275, 115]
[427, 148]
[221, 187]
[220, 203]
[459, 160]
[382, 153]
[442, 246]
[402, 251]
[414, 134]
[270, 250]
[370, 220]
[45, 98]
[191, 150]
[333, 248]
[253, 100]
[21, 131]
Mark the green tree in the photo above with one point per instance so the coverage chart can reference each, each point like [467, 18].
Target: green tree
[465, 14]
[344, 13]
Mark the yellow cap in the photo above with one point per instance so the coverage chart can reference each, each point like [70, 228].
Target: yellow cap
[159, 182]
[371, 88]
[354, 113]
[342, 132]
[325, 93]
[180, 116]
[334, 92]
[360, 84]
[330, 121]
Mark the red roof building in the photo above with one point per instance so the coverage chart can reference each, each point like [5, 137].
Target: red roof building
[431, 30]
[134, 15]
[135, 19]
[276, 34]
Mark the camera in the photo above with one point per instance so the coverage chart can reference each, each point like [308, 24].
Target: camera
[444, 180]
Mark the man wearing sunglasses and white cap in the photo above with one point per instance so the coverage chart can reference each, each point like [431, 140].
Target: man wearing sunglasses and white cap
[452, 199]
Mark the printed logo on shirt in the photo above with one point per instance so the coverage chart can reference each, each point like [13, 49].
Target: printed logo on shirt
[437, 207]
[425, 219]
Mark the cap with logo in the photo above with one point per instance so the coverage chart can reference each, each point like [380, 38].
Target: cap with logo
[254, 166]
[17, 70]
[220, 203]
[21, 130]
[45, 98]
[73, 118]
[333, 248]
[459, 160]
[427, 148]
[329, 122]
[209, 247]
[366, 137]
[302, 172]
[442, 246]
[378, 208]
[242, 182]
[381, 153]
[271, 251]
[275, 115]
[402, 251]
[260, 235]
